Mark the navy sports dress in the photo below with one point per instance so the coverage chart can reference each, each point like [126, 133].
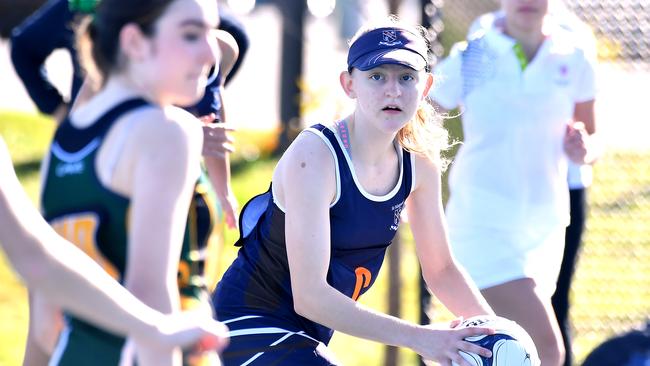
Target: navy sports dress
[254, 297]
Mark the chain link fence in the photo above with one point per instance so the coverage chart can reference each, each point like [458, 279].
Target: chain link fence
[611, 288]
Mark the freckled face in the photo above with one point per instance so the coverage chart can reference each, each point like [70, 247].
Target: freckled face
[388, 94]
[184, 48]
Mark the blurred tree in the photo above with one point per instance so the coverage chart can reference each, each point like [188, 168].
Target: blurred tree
[293, 25]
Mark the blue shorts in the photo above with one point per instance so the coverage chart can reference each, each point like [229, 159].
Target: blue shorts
[254, 341]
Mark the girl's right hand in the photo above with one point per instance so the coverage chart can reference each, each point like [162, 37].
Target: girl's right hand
[190, 330]
[442, 343]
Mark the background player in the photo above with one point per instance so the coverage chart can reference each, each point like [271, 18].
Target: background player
[579, 176]
[121, 170]
[53, 27]
[69, 278]
[526, 91]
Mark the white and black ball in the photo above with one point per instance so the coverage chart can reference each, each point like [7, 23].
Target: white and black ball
[510, 344]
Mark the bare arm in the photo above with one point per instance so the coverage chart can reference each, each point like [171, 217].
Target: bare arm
[229, 52]
[164, 171]
[69, 278]
[307, 172]
[585, 112]
[581, 142]
[45, 324]
[219, 172]
[442, 273]
[217, 139]
[216, 151]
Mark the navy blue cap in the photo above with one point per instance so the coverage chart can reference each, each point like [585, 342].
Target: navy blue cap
[388, 46]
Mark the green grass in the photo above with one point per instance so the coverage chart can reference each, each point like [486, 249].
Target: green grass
[611, 292]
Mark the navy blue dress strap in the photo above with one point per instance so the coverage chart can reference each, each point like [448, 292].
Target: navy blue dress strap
[343, 162]
[344, 168]
[82, 136]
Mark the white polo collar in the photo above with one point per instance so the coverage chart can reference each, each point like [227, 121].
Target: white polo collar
[501, 43]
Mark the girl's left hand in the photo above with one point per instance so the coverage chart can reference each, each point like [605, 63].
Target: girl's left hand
[217, 138]
[575, 142]
[230, 208]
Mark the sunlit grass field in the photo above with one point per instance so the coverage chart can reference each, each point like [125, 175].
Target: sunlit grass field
[611, 292]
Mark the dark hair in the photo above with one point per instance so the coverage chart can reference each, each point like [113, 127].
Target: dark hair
[99, 34]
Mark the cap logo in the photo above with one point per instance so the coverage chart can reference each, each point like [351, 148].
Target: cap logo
[389, 38]
[388, 46]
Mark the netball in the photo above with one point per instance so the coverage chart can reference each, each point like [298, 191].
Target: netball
[510, 344]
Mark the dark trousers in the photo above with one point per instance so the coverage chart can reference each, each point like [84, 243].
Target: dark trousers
[573, 238]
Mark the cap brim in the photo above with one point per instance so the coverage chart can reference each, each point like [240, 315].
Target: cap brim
[402, 57]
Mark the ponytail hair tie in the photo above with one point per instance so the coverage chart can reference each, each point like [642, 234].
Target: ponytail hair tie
[83, 6]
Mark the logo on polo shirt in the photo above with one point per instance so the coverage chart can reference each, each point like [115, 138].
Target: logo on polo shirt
[562, 77]
[389, 38]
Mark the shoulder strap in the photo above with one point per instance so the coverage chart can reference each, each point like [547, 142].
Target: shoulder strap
[82, 136]
[407, 171]
[338, 150]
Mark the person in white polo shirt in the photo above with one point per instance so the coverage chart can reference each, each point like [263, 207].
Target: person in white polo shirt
[579, 176]
[526, 88]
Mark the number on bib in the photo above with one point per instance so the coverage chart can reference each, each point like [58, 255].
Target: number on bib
[81, 230]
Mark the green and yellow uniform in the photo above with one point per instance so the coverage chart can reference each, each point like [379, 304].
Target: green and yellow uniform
[95, 218]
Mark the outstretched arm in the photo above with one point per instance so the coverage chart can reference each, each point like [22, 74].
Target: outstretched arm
[230, 24]
[581, 143]
[217, 142]
[69, 278]
[443, 275]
